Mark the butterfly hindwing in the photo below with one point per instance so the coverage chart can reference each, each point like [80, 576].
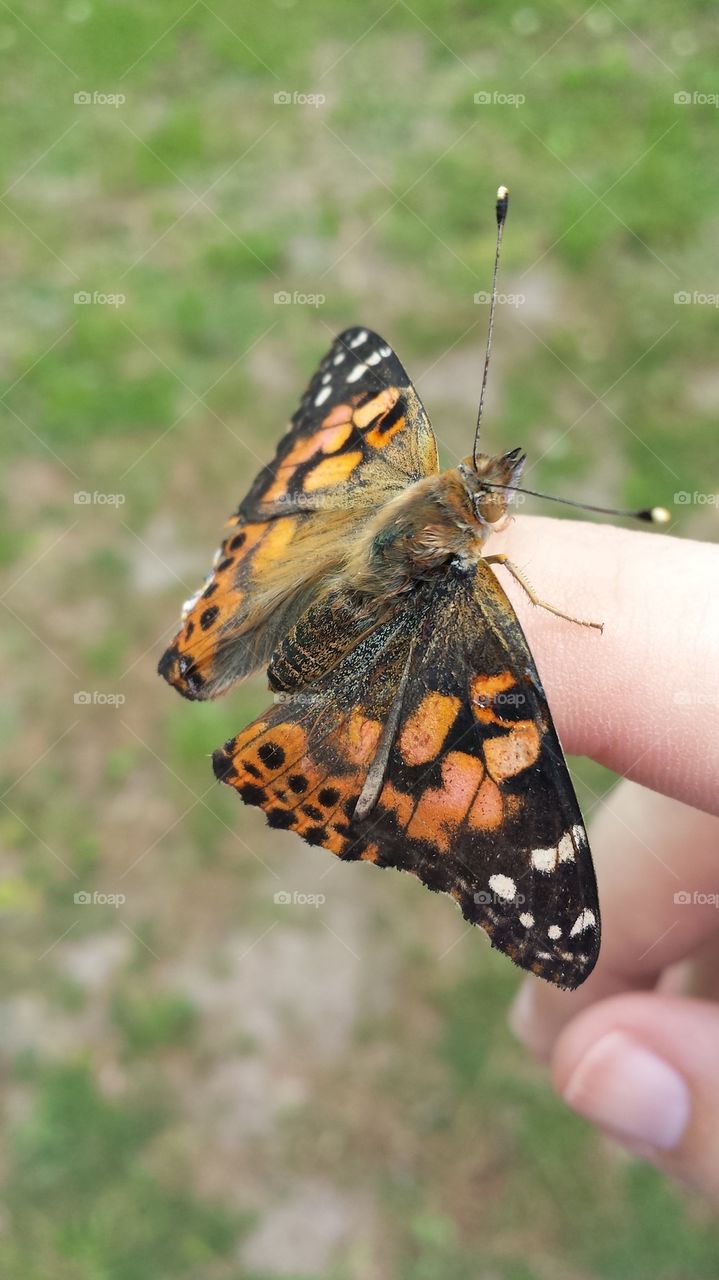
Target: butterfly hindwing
[475, 797]
[306, 759]
[359, 434]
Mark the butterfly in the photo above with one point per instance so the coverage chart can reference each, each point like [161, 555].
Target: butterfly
[409, 726]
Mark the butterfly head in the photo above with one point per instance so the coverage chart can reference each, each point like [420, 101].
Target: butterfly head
[481, 474]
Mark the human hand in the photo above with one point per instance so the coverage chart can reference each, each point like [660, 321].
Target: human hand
[636, 1048]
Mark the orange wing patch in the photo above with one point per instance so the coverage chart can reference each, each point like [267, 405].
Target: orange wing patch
[441, 809]
[470, 792]
[514, 752]
[375, 408]
[278, 536]
[484, 688]
[396, 802]
[487, 812]
[332, 471]
[273, 764]
[424, 733]
[361, 738]
[246, 550]
[380, 436]
[331, 436]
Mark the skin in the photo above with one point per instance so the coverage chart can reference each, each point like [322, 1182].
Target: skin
[636, 1048]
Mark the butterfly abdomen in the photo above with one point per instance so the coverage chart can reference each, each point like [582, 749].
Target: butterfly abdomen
[341, 617]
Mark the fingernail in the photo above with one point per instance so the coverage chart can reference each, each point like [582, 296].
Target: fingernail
[630, 1092]
[526, 1025]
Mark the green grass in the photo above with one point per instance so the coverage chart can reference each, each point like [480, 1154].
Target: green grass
[153, 1022]
[396, 1084]
[82, 1199]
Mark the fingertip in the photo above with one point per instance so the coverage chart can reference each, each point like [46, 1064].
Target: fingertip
[642, 1067]
[615, 695]
[628, 1090]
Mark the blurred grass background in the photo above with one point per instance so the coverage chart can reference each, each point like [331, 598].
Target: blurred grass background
[200, 1082]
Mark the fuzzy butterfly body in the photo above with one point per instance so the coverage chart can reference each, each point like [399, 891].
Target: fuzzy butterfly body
[409, 728]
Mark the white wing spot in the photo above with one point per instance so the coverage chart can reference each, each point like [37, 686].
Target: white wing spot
[361, 337]
[323, 395]
[503, 886]
[189, 605]
[339, 357]
[357, 372]
[580, 836]
[527, 919]
[544, 859]
[374, 358]
[585, 920]
[554, 932]
[326, 377]
[565, 848]
[385, 351]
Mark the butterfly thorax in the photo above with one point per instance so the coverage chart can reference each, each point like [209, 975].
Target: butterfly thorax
[440, 520]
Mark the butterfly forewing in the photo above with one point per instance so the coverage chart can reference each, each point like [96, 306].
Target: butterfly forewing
[359, 435]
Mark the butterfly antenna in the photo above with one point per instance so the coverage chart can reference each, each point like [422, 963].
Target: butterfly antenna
[650, 515]
[501, 208]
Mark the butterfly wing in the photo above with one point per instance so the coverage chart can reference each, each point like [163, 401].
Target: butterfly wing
[475, 799]
[360, 427]
[359, 435]
[306, 759]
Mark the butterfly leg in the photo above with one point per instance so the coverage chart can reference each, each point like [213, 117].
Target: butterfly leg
[526, 585]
